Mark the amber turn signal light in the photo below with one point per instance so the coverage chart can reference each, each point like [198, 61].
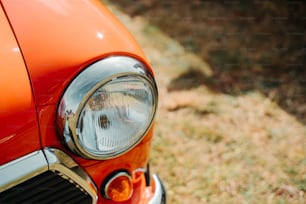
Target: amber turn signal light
[118, 187]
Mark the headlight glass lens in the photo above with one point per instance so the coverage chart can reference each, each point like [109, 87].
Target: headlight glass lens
[108, 108]
[116, 115]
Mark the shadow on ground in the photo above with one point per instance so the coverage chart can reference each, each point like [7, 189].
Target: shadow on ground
[250, 45]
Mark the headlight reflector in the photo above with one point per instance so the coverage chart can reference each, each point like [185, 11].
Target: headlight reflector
[115, 114]
[108, 108]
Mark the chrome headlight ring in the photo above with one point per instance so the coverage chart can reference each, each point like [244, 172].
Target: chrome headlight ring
[108, 108]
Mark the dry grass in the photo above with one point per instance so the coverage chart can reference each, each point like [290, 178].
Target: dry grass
[213, 145]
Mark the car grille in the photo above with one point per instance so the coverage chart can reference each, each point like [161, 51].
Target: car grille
[45, 176]
[48, 187]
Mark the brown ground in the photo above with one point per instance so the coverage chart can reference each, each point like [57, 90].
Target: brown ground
[231, 125]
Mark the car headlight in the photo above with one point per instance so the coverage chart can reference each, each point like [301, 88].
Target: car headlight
[108, 108]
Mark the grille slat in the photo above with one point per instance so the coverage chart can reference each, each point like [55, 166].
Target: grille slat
[41, 189]
[77, 200]
[47, 187]
[66, 192]
[53, 190]
[21, 188]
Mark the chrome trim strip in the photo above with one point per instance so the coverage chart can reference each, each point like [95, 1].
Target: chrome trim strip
[51, 159]
[22, 169]
[159, 196]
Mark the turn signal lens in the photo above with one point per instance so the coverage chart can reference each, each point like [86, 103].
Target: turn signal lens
[119, 187]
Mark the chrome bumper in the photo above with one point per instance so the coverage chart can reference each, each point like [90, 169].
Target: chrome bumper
[160, 192]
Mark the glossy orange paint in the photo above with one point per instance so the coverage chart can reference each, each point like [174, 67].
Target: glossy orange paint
[17, 108]
[58, 39]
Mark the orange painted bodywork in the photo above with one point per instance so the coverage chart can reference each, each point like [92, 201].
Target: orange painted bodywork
[57, 40]
[17, 108]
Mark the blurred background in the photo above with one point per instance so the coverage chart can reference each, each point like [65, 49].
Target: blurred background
[231, 123]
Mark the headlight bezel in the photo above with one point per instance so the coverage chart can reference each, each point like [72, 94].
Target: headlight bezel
[84, 85]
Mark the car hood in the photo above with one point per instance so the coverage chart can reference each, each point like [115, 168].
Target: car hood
[59, 38]
[18, 123]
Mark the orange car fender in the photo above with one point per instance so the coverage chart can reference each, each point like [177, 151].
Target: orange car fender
[17, 108]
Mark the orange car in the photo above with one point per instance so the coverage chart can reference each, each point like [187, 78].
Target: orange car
[78, 99]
